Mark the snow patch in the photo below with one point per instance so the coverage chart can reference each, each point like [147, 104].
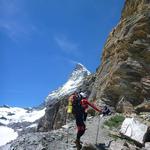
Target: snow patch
[32, 125]
[19, 115]
[7, 135]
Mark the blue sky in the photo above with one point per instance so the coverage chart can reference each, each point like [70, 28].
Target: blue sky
[41, 40]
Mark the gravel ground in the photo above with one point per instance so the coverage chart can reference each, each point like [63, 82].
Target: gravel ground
[63, 138]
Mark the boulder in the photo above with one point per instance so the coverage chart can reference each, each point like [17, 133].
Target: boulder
[124, 106]
[147, 145]
[116, 145]
[144, 107]
[89, 147]
[122, 145]
[134, 130]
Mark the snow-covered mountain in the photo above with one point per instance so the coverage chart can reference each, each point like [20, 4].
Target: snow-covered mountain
[14, 120]
[11, 115]
[75, 80]
[7, 134]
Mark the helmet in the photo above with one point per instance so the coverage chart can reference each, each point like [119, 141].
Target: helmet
[84, 95]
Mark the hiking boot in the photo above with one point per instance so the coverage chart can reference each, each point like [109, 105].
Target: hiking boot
[78, 144]
[77, 141]
[79, 147]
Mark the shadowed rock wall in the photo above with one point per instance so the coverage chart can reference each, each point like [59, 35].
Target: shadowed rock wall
[124, 72]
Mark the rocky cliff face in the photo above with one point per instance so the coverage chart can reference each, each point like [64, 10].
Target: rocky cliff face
[124, 72]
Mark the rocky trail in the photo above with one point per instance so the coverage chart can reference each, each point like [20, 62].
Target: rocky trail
[62, 139]
[93, 125]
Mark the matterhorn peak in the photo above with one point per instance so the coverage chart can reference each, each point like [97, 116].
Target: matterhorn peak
[75, 80]
[79, 66]
[79, 72]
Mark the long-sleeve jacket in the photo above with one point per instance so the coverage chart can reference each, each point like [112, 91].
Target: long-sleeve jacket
[85, 103]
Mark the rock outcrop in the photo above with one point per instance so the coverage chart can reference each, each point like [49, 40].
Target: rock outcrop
[125, 65]
[55, 116]
[144, 107]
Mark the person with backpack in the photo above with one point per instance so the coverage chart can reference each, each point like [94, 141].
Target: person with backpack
[78, 105]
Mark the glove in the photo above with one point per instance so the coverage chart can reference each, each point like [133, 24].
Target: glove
[106, 111]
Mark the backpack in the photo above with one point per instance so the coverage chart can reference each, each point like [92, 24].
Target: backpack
[76, 105]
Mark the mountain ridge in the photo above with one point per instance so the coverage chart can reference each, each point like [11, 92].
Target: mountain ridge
[75, 80]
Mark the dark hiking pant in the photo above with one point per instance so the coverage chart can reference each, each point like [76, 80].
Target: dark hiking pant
[80, 124]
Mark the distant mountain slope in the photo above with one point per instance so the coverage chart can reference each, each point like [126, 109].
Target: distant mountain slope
[11, 115]
[15, 121]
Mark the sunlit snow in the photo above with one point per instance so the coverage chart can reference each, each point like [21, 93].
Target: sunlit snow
[7, 135]
[15, 114]
[32, 125]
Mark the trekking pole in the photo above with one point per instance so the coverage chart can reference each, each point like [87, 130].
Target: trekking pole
[67, 128]
[98, 126]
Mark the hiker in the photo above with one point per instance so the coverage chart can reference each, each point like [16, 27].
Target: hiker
[78, 105]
